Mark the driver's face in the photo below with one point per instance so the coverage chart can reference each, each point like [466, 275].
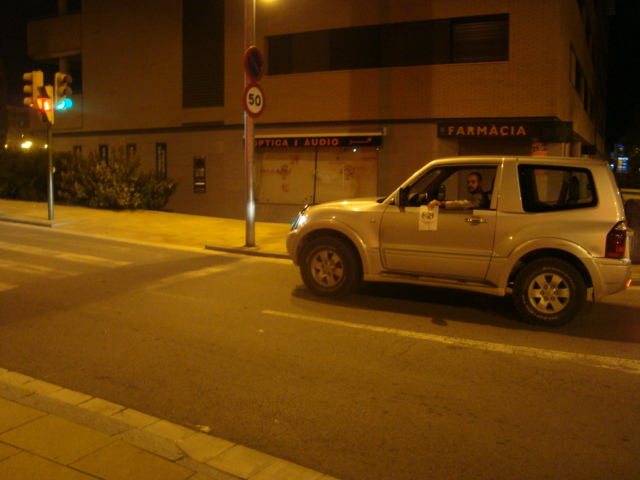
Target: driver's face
[473, 184]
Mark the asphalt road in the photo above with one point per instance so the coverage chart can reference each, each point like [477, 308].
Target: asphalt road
[395, 382]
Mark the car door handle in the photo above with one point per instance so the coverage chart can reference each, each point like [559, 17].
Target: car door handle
[476, 221]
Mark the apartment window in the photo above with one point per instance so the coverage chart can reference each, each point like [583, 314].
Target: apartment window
[161, 160]
[202, 53]
[103, 153]
[577, 75]
[480, 40]
[428, 42]
[131, 151]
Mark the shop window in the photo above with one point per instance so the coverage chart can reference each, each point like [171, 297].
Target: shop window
[297, 176]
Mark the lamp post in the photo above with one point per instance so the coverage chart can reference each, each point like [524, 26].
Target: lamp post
[249, 151]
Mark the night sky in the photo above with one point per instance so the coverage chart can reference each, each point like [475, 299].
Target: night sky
[623, 101]
[13, 40]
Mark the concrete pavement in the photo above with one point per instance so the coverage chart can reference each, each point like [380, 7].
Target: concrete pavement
[51, 433]
[48, 432]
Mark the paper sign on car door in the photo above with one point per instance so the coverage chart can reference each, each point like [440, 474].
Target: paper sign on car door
[428, 218]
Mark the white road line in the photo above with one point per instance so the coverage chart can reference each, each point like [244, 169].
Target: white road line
[72, 257]
[32, 269]
[623, 364]
[186, 276]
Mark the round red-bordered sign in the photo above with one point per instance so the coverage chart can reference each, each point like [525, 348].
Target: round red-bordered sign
[253, 63]
[253, 100]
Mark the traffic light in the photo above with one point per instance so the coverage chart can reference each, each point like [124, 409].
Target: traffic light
[33, 88]
[61, 90]
[45, 103]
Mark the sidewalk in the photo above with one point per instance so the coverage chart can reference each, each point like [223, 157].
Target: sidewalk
[153, 227]
[51, 433]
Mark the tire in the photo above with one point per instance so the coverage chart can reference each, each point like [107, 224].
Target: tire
[330, 268]
[549, 292]
[632, 214]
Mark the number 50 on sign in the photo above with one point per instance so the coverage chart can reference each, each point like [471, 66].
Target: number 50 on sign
[253, 100]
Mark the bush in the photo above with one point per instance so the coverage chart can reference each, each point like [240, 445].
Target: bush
[23, 174]
[113, 184]
[90, 182]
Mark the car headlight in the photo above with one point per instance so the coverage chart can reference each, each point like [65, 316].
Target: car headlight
[302, 218]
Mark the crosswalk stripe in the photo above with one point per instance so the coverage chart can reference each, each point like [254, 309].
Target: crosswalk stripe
[32, 269]
[71, 257]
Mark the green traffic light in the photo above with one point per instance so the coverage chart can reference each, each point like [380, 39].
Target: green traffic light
[64, 104]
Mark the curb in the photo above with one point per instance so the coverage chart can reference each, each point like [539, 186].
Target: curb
[253, 251]
[193, 449]
[37, 223]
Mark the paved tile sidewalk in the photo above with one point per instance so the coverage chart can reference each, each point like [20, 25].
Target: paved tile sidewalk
[51, 433]
[152, 227]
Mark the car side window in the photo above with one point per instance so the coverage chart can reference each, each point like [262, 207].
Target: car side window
[452, 184]
[547, 188]
[461, 186]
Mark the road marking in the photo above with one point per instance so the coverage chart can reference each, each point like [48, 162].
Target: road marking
[31, 269]
[192, 275]
[72, 257]
[623, 364]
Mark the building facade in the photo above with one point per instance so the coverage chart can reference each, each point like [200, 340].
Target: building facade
[358, 93]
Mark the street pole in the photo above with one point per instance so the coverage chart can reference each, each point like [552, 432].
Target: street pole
[249, 33]
[50, 184]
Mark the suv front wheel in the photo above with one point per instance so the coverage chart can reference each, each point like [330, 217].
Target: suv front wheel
[549, 291]
[329, 267]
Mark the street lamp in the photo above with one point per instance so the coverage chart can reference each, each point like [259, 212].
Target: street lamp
[249, 151]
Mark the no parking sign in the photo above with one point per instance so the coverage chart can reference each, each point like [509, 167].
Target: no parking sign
[253, 95]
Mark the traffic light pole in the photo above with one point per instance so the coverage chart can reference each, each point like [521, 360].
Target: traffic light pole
[50, 184]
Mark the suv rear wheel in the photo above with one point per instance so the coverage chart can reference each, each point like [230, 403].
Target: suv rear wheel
[549, 291]
[329, 267]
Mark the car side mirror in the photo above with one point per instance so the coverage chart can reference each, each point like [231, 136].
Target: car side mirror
[442, 193]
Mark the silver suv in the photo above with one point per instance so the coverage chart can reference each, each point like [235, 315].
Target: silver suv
[546, 230]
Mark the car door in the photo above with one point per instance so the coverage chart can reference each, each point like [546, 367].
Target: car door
[458, 247]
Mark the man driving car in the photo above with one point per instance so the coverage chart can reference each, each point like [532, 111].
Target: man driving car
[477, 199]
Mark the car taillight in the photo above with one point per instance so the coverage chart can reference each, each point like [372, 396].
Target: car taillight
[616, 241]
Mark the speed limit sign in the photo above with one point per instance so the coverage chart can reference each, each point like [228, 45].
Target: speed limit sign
[253, 100]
